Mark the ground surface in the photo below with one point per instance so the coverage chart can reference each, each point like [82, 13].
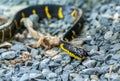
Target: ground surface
[101, 37]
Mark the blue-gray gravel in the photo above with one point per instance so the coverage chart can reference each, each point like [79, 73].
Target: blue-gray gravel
[101, 40]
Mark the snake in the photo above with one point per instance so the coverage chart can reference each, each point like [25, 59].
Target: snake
[8, 30]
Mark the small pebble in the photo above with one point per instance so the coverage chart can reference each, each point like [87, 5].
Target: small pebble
[65, 59]
[2, 50]
[89, 63]
[109, 60]
[24, 77]
[64, 76]
[18, 47]
[52, 77]
[43, 65]
[68, 67]
[115, 47]
[90, 71]
[105, 21]
[8, 55]
[94, 77]
[34, 75]
[45, 72]
[108, 35]
[34, 53]
[78, 78]
[58, 70]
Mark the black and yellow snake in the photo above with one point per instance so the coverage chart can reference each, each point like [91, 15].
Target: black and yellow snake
[8, 30]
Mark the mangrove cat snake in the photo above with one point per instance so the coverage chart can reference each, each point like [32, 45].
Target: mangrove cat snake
[8, 30]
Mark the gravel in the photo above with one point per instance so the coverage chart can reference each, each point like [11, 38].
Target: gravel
[100, 34]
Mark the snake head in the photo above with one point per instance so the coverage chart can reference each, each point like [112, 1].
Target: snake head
[81, 53]
[75, 52]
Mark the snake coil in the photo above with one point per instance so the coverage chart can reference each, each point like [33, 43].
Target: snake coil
[8, 30]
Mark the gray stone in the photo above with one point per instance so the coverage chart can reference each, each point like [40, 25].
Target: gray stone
[18, 47]
[24, 77]
[118, 79]
[114, 76]
[105, 21]
[35, 65]
[78, 78]
[90, 71]
[59, 78]
[65, 59]
[8, 75]
[87, 47]
[45, 72]
[2, 50]
[105, 48]
[68, 67]
[94, 77]
[73, 75]
[52, 77]
[8, 55]
[108, 35]
[43, 66]
[103, 69]
[109, 60]
[80, 68]
[86, 76]
[34, 53]
[58, 70]
[92, 41]
[94, 15]
[115, 47]
[64, 76]
[89, 63]
[2, 71]
[94, 49]
[45, 61]
[90, 47]
[98, 57]
[15, 78]
[52, 25]
[76, 63]
[116, 67]
[118, 9]
[115, 36]
[116, 57]
[102, 78]
[116, 27]
[35, 75]
[103, 8]
[53, 64]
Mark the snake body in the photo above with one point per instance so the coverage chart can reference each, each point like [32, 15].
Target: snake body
[8, 30]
